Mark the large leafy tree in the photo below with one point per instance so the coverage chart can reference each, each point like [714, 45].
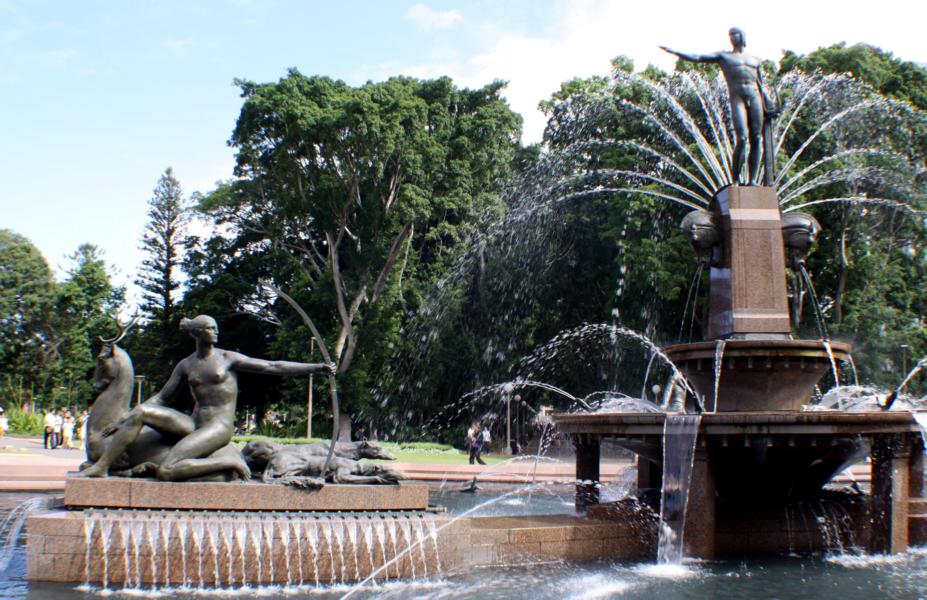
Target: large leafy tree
[596, 253]
[352, 196]
[868, 267]
[84, 306]
[27, 346]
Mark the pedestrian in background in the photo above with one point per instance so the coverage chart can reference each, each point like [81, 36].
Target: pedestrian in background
[475, 443]
[67, 430]
[59, 422]
[49, 423]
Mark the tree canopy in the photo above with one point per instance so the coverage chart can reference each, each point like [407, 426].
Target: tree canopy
[442, 260]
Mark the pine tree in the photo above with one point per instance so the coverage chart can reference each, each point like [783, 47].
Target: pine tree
[164, 241]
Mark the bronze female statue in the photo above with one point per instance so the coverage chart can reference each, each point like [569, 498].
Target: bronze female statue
[203, 435]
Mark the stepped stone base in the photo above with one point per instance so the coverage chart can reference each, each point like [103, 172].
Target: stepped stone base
[252, 496]
[156, 549]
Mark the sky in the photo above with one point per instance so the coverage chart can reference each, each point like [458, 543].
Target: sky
[99, 97]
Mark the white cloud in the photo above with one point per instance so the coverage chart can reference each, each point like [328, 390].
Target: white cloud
[429, 19]
[585, 34]
[175, 45]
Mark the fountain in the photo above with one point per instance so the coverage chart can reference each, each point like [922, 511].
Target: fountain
[744, 476]
[756, 452]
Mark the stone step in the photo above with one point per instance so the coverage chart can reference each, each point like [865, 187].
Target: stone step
[115, 492]
[31, 485]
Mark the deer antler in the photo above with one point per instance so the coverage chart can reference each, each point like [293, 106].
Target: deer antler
[123, 328]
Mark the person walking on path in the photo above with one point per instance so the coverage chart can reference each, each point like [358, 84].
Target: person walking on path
[4, 423]
[486, 440]
[49, 424]
[475, 443]
[67, 430]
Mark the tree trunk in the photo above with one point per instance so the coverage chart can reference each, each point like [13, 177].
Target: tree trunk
[344, 428]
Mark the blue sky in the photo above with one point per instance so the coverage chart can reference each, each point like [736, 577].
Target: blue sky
[97, 98]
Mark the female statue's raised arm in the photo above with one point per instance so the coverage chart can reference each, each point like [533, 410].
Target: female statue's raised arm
[240, 362]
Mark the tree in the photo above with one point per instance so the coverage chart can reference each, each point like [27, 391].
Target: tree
[164, 242]
[572, 248]
[890, 76]
[27, 347]
[868, 267]
[83, 309]
[356, 194]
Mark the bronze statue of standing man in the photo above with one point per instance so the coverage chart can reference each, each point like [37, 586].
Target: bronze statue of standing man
[750, 105]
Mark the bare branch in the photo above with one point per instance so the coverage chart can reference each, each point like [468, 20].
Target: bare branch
[391, 258]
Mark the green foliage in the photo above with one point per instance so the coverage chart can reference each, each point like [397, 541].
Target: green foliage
[889, 76]
[352, 199]
[434, 446]
[48, 330]
[867, 265]
[159, 345]
[27, 346]
[563, 257]
[25, 423]
[244, 439]
[83, 311]
[391, 446]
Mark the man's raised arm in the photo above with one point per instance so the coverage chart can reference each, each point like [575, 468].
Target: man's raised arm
[698, 58]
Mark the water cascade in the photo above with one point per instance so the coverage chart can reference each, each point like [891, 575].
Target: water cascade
[226, 545]
[680, 433]
[12, 526]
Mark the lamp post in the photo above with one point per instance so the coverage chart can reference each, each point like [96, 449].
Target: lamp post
[508, 421]
[904, 359]
[139, 379]
[309, 398]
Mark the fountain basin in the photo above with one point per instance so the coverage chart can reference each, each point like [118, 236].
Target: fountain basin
[760, 457]
[757, 374]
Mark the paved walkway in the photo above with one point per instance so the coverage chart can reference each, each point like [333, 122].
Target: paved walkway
[25, 465]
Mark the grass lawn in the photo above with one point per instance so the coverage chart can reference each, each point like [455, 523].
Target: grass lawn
[446, 457]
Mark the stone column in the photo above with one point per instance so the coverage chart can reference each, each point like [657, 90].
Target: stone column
[748, 293]
[699, 532]
[588, 453]
[888, 509]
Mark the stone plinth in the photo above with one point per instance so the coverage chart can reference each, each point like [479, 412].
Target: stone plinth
[117, 492]
[748, 295]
